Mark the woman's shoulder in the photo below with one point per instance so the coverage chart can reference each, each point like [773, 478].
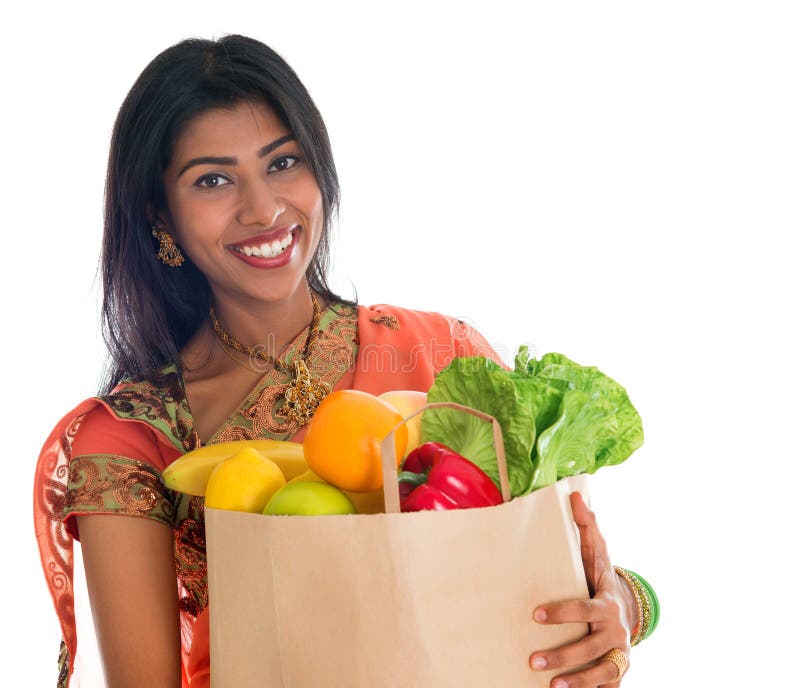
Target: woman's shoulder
[157, 398]
[414, 339]
[99, 432]
[436, 329]
[398, 318]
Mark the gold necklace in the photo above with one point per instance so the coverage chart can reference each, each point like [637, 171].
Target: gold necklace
[225, 351]
[304, 393]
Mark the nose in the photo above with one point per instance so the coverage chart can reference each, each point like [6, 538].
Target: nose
[260, 204]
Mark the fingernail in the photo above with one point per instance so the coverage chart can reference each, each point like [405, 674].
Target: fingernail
[560, 683]
[539, 663]
[540, 615]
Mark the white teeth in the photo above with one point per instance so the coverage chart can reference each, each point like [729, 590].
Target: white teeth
[268, 250]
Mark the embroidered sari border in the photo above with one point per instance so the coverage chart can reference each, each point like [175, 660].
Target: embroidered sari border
[112, 484]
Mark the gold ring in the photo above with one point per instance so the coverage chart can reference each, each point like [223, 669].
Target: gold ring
[618, 659]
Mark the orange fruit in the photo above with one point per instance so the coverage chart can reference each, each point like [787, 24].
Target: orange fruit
[343, 442]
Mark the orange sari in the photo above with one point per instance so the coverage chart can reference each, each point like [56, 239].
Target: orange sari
[106, 454]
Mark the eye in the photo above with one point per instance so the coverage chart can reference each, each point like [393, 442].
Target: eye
[284, 163]
[211, 181]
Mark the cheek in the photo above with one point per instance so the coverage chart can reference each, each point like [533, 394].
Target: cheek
[309, 200]
[193, 221]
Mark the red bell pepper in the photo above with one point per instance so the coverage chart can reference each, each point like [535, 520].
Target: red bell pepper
[435, 477]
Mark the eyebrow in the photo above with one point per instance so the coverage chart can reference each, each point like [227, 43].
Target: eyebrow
[228, 160]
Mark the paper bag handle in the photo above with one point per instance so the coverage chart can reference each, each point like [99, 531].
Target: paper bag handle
[391, 485]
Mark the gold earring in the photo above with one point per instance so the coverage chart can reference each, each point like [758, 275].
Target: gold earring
[168, 252]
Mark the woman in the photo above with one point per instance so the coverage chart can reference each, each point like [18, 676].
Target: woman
[220, 194]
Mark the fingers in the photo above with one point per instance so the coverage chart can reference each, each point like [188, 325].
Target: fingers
[602, 674]
[574, 611]
[604, 616]
[582, 514]
[596, 562]
[586, 651]
[585, 520]
[575, 654]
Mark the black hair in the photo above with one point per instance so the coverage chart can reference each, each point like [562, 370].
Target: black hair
[150, 310]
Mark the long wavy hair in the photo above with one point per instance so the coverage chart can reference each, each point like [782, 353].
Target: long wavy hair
[150, 310]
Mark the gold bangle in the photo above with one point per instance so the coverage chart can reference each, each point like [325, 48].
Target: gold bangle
[642, 603]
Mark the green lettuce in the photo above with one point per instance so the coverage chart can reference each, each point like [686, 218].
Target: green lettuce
[482, 384]
[559, 371]
[558, 418]
[570, 445]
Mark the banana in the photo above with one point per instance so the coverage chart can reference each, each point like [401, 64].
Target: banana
[190, 472]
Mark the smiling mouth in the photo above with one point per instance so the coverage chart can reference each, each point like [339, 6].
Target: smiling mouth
[268, 249]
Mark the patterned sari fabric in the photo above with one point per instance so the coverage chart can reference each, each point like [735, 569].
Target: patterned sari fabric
[106, 455]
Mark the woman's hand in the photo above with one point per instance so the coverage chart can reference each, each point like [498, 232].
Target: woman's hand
[610, 613]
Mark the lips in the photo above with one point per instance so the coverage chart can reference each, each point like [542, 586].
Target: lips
[269, 254]
[268, 244]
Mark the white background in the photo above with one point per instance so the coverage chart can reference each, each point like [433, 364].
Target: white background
[617, 181]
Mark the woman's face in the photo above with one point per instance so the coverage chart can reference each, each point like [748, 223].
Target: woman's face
[243, 203]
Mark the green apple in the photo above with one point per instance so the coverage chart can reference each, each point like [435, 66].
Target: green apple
[309, 499]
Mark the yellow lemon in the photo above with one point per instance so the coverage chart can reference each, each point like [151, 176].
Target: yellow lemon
[244, 482]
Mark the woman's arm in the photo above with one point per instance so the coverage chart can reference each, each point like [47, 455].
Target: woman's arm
[130, 574]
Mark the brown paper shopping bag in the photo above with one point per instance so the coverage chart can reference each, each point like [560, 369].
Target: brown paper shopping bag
[432, 599]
